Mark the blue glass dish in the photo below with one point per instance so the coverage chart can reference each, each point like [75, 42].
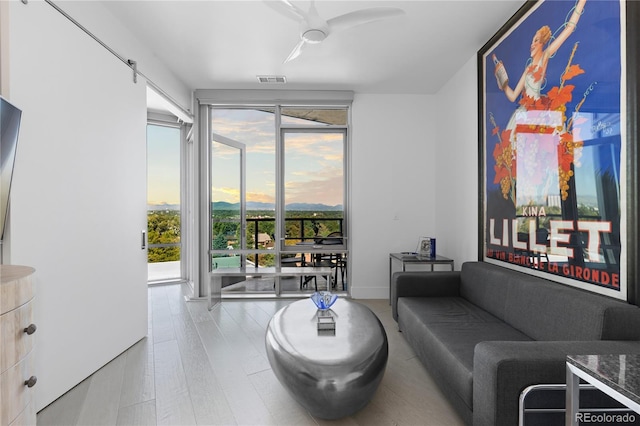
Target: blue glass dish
[324, 299]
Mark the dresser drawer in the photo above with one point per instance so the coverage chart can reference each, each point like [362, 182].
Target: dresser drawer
[15, 395]
[18, 335]
[17, 288]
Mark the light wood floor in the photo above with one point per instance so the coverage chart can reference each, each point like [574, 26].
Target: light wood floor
[210, 368]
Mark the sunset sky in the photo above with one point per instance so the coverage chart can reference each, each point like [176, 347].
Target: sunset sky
[313, 162]
[163, 165]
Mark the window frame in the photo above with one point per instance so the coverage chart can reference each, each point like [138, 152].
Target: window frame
[166, 120]
[337, 248]
[208, 99]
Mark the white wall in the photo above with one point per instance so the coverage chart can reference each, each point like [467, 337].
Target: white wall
[414, 173]
[393, 181]
[109, 30]
[456, 209]
[79, 196]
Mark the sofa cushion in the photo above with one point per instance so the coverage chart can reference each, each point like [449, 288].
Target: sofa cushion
[537, 307]
[485, 285]
[444, 332]
[546, 310]
[444, 309]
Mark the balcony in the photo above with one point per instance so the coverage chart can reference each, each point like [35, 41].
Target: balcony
[164, 258]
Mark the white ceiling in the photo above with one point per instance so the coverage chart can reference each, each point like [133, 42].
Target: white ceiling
[225, 44]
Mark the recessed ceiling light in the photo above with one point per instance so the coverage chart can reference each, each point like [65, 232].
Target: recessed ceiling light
[272, 78]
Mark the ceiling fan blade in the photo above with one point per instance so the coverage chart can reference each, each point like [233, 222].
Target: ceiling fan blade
[296, 51]
[313, 17]
[363, 16]
[288, 9]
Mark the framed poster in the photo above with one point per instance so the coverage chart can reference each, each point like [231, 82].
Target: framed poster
[558, 133]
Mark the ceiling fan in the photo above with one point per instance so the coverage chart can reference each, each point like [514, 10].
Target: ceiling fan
[314, 29]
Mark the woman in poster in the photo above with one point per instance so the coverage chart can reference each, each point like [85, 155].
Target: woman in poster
[534, 74]
[533, 134]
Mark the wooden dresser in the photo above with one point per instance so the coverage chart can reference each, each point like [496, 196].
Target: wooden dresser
[17, 329]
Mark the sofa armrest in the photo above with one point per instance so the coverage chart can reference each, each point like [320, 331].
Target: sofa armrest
[423, 284]
[502, 370]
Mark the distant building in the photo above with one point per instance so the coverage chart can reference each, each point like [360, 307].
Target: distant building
[264, 239]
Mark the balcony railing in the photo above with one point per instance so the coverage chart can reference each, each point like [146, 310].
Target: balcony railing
[308, 228]
[298, 229]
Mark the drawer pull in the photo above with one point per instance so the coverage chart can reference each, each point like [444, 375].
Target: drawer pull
[31, 382]
[31, 329]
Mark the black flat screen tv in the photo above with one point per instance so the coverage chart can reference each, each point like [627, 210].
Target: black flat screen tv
[9, 127]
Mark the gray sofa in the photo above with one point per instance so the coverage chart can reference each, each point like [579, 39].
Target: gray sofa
[486, 332]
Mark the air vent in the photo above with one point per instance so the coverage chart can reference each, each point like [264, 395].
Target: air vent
[272, 79]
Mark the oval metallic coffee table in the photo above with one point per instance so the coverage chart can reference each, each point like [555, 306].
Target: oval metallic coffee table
[332, 376]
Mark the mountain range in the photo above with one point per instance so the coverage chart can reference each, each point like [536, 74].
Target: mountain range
[252, 205]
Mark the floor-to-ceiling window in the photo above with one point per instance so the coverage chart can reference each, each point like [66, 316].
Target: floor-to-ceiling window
[278, 195]
[313, 157]
[164, 201]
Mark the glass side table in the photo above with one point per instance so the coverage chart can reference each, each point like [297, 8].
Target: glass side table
[615, 375]
[405, 259]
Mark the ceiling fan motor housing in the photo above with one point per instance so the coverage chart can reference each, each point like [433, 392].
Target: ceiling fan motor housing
[314, 36]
